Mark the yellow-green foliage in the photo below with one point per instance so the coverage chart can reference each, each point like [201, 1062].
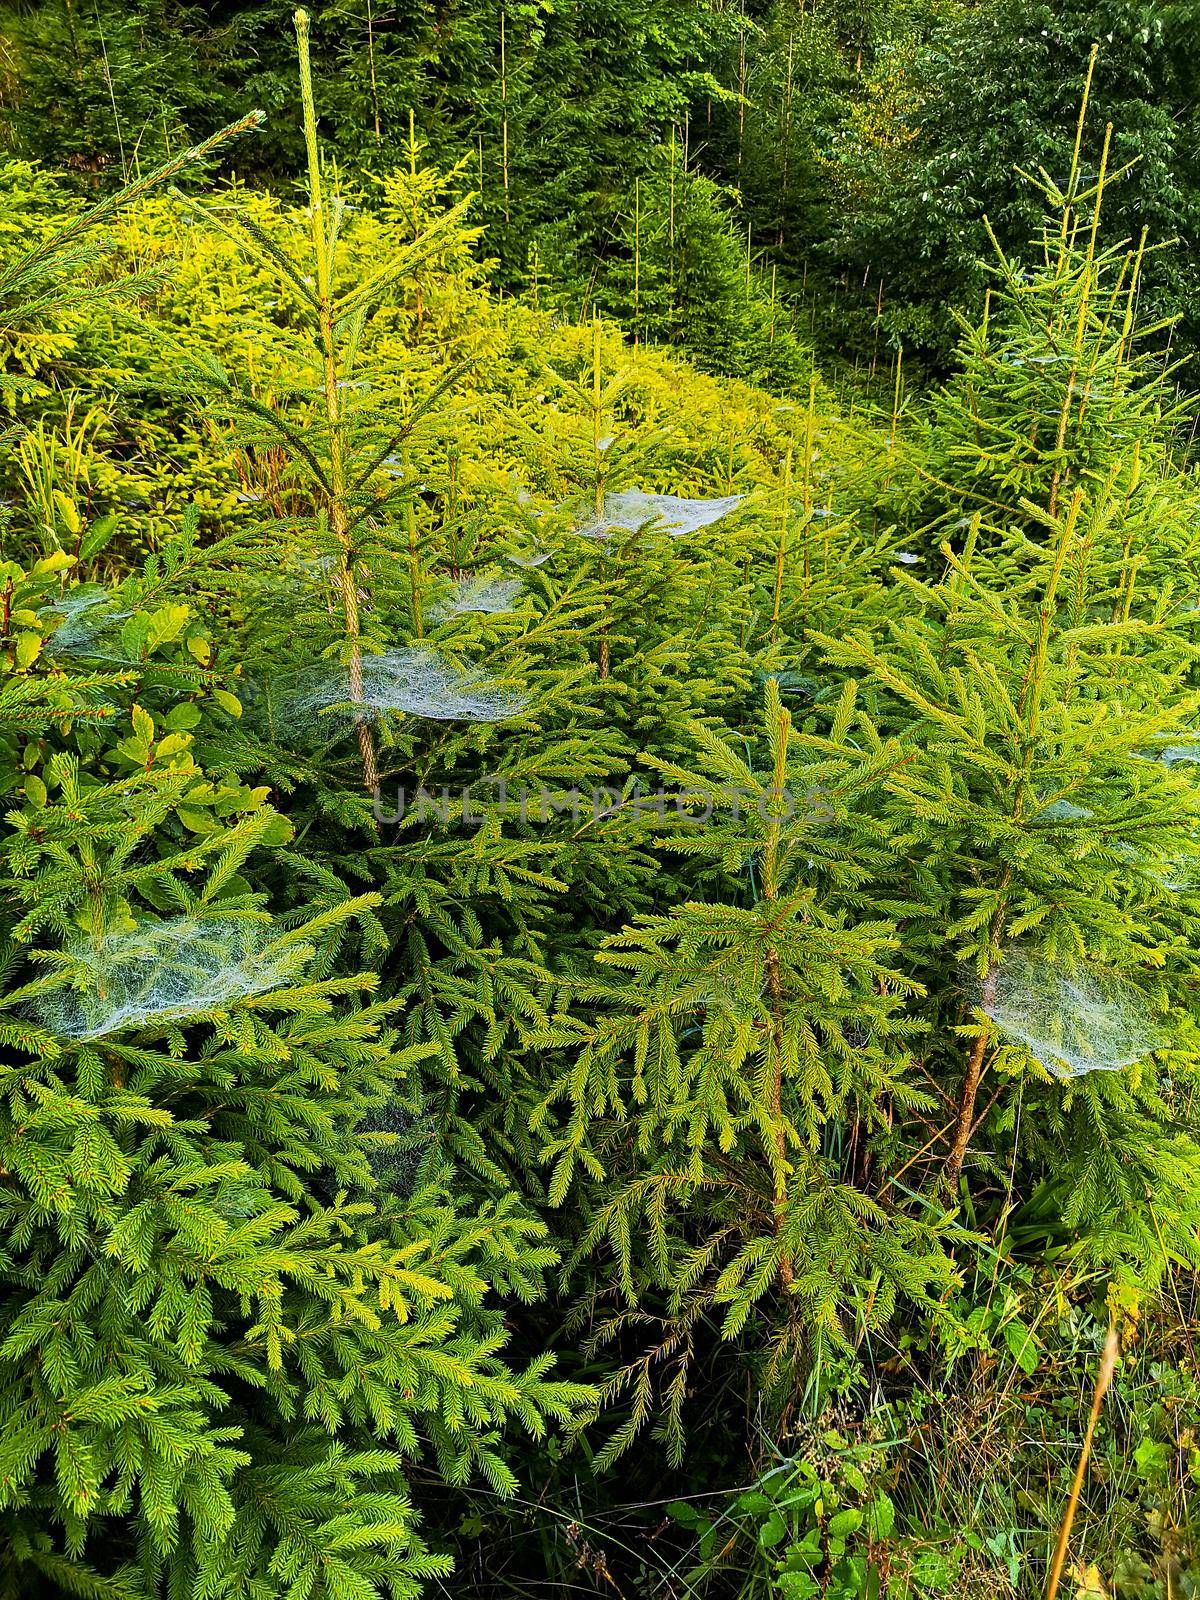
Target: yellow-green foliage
[202, 295]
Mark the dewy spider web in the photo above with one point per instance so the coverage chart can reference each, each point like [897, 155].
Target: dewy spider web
[1179, 874]
[88, 613]
[410, 682]
[1173, 753]
[163, 970]
[1073, 1022]
[1063, 811]
[397, 1135]
[633, 509]
[493, 596]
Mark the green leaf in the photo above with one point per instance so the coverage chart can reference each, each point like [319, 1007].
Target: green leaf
[680, 1511]
[165, 625]
[1023, 1345]
[98, 535]
[881, 1516]
[772, 1531]
[201, 822]
[843, 1523]
[1152, 1457]
[797, 1586]
[29, 647]
[183, 716]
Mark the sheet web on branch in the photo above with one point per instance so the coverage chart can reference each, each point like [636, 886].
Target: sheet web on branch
[163, 970]
[1073, 1022]
[89, 621]
[408, 682]
[528, 559]
[1179, 874]
[492, 596]
[1064, 811]
[633, 509]
[398, 1136]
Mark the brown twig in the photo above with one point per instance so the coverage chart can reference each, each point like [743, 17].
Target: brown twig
[1104, 1377]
